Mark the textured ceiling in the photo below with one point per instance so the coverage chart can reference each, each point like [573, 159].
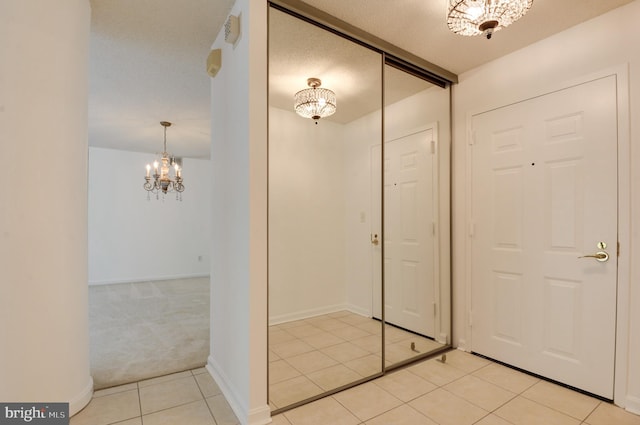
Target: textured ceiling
[147, 59]
[302, 50]
[147, 64]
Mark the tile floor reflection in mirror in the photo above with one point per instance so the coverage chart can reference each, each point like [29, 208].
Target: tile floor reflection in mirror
[311, 356]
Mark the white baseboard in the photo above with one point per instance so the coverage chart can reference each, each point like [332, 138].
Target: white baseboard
[147, 279]
[633, 404]
[256, 416]
[359, 310]
[260, 416]
[80, 401]
[305, 314]
[229, 392]
[462, 345]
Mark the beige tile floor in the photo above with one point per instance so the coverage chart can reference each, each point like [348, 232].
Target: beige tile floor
[310, 356]
[190, 398]
[465, 390]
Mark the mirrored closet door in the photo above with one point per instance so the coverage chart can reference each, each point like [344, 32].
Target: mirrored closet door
[358, 211]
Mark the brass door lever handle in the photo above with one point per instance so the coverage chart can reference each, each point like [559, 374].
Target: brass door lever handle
[601, 256]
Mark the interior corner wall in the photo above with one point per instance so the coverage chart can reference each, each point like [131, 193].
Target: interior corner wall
[133, 239]
[238, 357]
[306, 215]
[607, 41]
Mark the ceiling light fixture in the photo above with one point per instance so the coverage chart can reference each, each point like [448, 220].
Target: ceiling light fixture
[475, 17]
[167, 173]
[315, 102]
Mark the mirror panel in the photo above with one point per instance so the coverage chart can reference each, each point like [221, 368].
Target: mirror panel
[323, 334]
[416, 130]
[370, 182]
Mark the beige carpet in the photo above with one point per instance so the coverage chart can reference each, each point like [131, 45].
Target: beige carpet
[147, 329]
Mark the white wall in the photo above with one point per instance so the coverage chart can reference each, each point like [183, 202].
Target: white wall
[608, 41]
[44, 332]
[238, 358]
[359, 137]
[306, 216]
[135, 239]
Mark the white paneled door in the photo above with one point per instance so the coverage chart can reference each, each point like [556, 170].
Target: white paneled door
[410, 243]
[544, 235]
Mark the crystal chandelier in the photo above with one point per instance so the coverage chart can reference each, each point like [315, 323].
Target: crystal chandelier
[475, 17]
[315, 102]
[167, 173]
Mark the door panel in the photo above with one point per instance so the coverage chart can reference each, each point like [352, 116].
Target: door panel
[544, 193]
[409, 240]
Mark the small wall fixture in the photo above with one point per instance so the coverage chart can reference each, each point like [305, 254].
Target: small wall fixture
[214, 62]
[167, 173]
[475, 17]
[232, 29]
[315, 102]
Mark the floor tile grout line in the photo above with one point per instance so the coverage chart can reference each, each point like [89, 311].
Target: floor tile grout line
[486, 380]
[324, 368]
[172, 407]
[592, 411]
[516, 395]
[205, 398]
[522, 392]
[213, 416]
[140, 403]
[178, 405]
[347, 409]
[559, 411]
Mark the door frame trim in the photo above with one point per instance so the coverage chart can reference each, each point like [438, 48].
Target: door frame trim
[621, 74]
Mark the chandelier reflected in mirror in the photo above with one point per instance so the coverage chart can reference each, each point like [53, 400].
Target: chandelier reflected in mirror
[315, 102]
[167, 173]
[475, 17]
